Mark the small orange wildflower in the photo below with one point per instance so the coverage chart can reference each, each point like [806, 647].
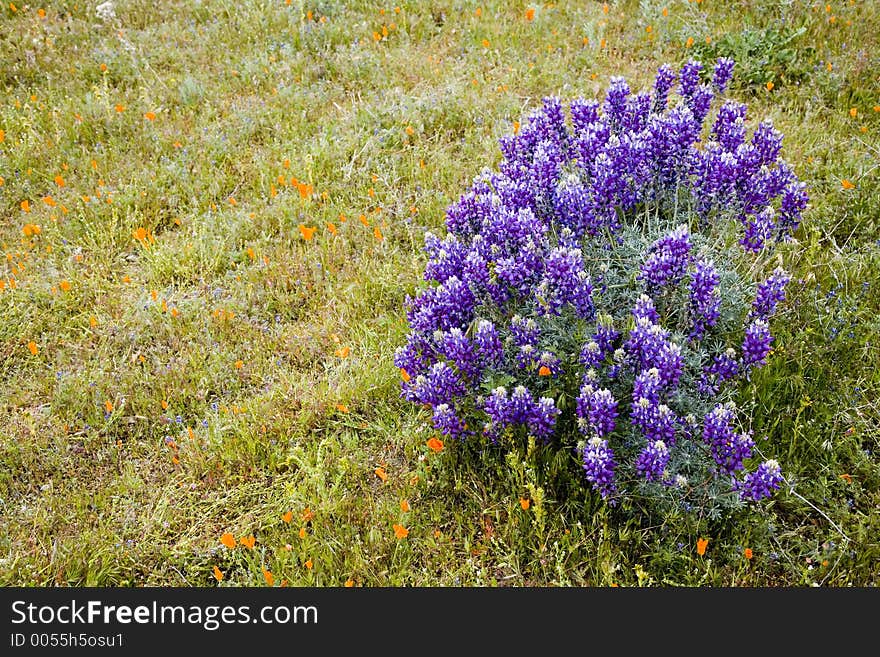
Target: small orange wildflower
[32, 346]
[400, 531]
[269, 577]
[150, 116]
[306, 232]
[248, 541]
[701, 546]
[380, 472]
[544, 371]
[747, 553]
[228, 540]
[524, 502]
[287, 517]
[435, 445]
[846, 184]
[218, 574]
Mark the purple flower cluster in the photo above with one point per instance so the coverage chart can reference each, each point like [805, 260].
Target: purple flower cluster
[540, 285]
[519, 408]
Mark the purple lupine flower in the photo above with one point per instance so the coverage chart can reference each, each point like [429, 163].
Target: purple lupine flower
[596, 410]
[543, 418]
[700, 102]
[762, 482]
[524, 330]
[756, 345]
[416, 356]
[669, 364]
[489, 346]
[573, 207]
[591, 354]
[599, 465]
[583, 113]
[565, 282]
[729, 128]
[652, 461]
[445, 257]
[614, 106]
[645, 308]
[444, 306]
[546, 165]
[663, 84]
[722, 74]
[668, 259]
[770, 293]
[520, 405]
[455, 346]
[447, 422]
[723, 367]
[497, 407]
[794, 202]
[606, 335]
[705, 298]
[645, 342]
[440, 385]
[689, 78]
[759, 228]
[656, 421]
[767, 141]
[728, 448]
[638, 109]
[526, 356]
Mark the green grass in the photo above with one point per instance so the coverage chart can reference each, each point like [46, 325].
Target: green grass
[193, 383]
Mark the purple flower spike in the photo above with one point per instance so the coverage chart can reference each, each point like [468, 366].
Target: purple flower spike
[762, 482]
[599, 466]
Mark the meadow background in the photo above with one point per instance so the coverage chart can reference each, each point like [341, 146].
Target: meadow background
[211, 213]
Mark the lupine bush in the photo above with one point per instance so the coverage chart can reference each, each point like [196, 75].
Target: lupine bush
[609, 287]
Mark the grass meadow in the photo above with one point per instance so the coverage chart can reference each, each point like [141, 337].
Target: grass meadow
[211, 213]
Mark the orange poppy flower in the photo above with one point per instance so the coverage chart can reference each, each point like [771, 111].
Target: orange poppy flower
[119, 108]
[332, 228]
[48, 200]
[287, 517]
[747, 553]
[377, 233]
[308, 564]
[228, 540]
[380, 472]
[770, 85]
[404, 506]
[400, 531]
[348, 583]
[435, 445]
[32, 346]
[218, 574]
[701, 546]
[65, 286]
[342, 408]
[846, 184]
[524, 502]
[530, 13]
[306, 232]
[544, 371]
[269, 577]
[248, 541]
[343, 352]
[302, 532]
[404, 375]
[26, 205]
[150, 116]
